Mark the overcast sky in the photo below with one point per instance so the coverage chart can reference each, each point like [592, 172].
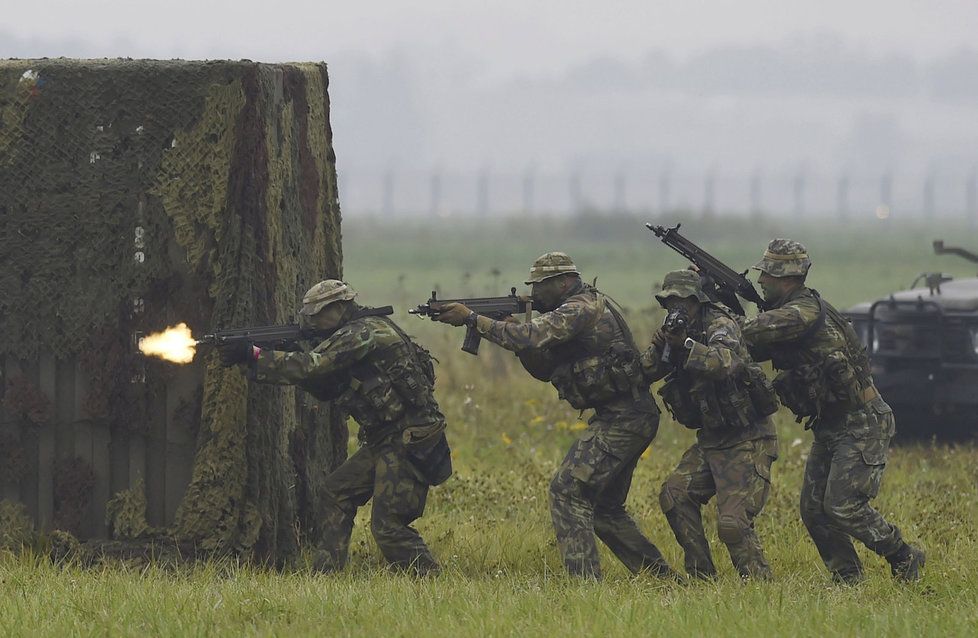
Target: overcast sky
[508, 36]
[752, 86]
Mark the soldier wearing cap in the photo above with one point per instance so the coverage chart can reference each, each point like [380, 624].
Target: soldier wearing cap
[374, 372]
[824, 376]
[713, 386]
[580, 343]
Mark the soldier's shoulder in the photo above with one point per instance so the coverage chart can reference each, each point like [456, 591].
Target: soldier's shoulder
[362, 329]
[586, 301]
[719, 317]
[807, 302]
[720, 321]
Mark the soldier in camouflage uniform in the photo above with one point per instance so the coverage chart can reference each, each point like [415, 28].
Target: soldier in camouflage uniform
[373, 371]
[714, 387]
[581, 344]
[824, 377]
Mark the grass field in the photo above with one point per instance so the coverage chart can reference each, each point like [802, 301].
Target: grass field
[489, 524]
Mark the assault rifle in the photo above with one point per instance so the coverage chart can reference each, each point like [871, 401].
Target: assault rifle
[720, 282]
[279, 337]
[492, 307]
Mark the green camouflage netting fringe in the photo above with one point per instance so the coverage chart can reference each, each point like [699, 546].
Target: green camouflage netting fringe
[137, 193]
[16, 527]
[125, 515]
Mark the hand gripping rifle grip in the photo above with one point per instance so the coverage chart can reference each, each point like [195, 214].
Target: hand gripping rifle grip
[472, 341]
[666, 353]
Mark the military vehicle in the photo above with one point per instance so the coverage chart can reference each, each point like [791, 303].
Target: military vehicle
[923, 343]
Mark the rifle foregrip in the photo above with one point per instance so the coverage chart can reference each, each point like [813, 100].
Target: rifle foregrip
[472, 341]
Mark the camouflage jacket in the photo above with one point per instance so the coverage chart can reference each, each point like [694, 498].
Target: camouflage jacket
[370, 369]
[583, 348]
[823, 364]
[715, 386]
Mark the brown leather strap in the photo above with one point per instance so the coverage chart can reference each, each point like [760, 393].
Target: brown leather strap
[869, 394]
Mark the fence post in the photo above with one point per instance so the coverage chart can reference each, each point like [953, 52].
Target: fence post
[665, 183]
[618, 203]
[756, 205]
[387, 203]
[528, 189]
[842, 196]
[709, 192]
[482, 193]
[929, 196]
[574, 188]
[435, 192]
[798, 190]
[971, 198]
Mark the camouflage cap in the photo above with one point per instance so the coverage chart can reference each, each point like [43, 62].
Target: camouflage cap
[784, 258]
[682, 284]
[325, 293]
[551, 265]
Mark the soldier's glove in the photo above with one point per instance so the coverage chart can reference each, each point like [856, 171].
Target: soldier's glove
[659, 339]
[453, 313]
[235, 352]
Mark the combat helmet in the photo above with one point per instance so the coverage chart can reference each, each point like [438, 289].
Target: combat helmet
[784, 258]
[325, 293]
[551, 265]
[682, 283]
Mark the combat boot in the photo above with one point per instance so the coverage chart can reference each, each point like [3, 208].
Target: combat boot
[906, 563]
[850, 578]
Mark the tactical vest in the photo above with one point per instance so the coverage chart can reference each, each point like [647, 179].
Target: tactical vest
[818, 372]
[736, 401]
[599, 365]
[387, 391]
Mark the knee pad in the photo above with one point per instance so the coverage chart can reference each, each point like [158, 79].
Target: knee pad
[730, 529]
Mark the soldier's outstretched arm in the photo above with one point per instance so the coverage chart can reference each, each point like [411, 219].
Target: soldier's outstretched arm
[786, 323]
[344, 348]
[547, 329]
[717, 358]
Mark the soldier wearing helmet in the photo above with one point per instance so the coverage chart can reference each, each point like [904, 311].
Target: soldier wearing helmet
[824, 376]
[713, 386]
[580, 343]
[375, 373]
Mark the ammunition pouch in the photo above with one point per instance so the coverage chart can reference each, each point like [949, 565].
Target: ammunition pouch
[678, 400]
[801, 389]
[761, 392]
[428, 452]
[595, 380]
[840, 379]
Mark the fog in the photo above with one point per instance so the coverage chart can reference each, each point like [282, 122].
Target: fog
[463, 107]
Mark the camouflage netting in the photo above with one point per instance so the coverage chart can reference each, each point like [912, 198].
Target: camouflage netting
[16, 528]
[139, 193]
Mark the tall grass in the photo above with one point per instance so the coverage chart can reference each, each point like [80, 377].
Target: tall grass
[489, 524]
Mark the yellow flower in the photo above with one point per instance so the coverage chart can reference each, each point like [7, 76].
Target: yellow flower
[506, 439]
[536, 420]
[647, 453]
[577, 427]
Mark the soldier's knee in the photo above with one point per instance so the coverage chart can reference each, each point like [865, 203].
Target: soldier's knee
[564, 486]
[671, 493]
[732, 529]
[841, 508]
[385, 530]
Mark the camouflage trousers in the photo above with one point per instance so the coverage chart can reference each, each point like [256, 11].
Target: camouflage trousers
[842, 475]
[382, 473]
[740, 477]
[587, 495]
